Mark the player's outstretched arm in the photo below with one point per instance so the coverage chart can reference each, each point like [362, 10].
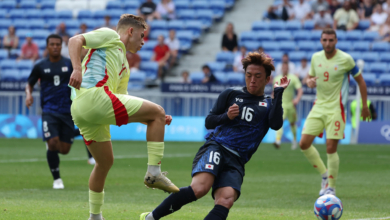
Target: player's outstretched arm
[76, 44]
[363, 91]
[311, 81]
[275, 118]
[218, 114]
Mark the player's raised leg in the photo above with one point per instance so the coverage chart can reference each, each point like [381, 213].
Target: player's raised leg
[333, 165]
[91, 160]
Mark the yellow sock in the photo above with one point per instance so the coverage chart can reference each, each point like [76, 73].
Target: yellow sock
[333, 169]
[96, 201]
[294, 131]
[314, 158]
[155, 152]
[279, 134]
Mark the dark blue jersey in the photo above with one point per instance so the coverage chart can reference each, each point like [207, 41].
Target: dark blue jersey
[244, 133]
[55, 93]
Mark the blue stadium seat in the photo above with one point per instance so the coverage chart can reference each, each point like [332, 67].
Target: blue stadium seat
[308, 25]
[251, 45]
[366, 68]
[84, 14]
[150, 45]
[34, 14]
[356, 55]
[293, 25]
[380, 46]
[370, 79]
[24, 64]
[28, 5]
[206, 16]
[282, 35]
[7, 64]
[3, 54]
[247, 36]
[133, 5]
[301, 35]
[114, 5]
[277, 25]
[287, 46]
[384, 57]
[5, 23]
[150, 68]
[185, 38]
[384, 80]
[182, 5]
[218, 7]
[344, 45]
[364, 25]
[235, 78]
[3, 32]
[271, 46]
[3, 13]
[116, 14]
[17, 14]
[216, 66]
[370, 57]
[187, 15]
[220, 76]
[341, 35]
[378, 68]
[72, 24]
[196, 28]
[354, 35]
[318, 46]
[176, 25]
[227, 57]
[229, 4]
[41, 34]
[260, 26]
[49, 14]
[200, 5]
[315, 35]
[8, 5]
[41, 44]
[370, 35]
[145, 55]
[361, 46]
[154, 34]
[66, 14]
[276, 55]
[296, 56]
[24, 74]
[100, 14]
[21, 24]
[196, 77]
[137, 76]
[22, 33]
[53, 23]
[91, 23]
[309, 54]
[49, 4]
[264, 36]
[10, 75]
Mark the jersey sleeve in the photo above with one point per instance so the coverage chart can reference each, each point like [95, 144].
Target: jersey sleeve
[297, 83]
[312, 67]
[34, 75]
[99, 38]
[354, 69]
[275, 118]
[218, 114]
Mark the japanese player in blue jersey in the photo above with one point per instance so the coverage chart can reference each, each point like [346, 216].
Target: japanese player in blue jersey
[241, 118]
[57, 125]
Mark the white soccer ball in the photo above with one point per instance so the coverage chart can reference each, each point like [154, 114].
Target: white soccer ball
[328, 207]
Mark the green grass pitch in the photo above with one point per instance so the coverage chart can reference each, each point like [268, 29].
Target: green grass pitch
[279, 184]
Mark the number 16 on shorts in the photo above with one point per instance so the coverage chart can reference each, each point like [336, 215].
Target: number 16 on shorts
[213, 159]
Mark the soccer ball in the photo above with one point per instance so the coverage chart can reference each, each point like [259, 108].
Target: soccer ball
[328, 207]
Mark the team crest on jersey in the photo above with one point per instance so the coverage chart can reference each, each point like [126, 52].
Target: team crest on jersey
[64, 69]
[263, 104]
[46, 70]
[336, 67]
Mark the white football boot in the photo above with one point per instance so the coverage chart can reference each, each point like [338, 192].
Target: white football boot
[91, 161]
[160, 182]
[324, 185]
[58, 184]
[330, 191]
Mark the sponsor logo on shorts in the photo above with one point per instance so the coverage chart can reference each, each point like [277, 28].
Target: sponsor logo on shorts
[47, 134]
[209, 167]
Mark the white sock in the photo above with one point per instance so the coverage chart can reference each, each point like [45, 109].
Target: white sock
[155, 170]
[96, 216]
[149, 217]
[325, 175]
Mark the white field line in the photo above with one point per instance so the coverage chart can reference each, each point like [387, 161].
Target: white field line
[31, 160]
[372, 218]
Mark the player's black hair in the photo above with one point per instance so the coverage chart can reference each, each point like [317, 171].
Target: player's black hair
[53, 36]
[206, 66]
[260, 59]
[285, 54]
[329, 31]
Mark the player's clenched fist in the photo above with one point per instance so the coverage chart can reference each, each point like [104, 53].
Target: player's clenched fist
[168, 119]
[233, 111]
[76, 79]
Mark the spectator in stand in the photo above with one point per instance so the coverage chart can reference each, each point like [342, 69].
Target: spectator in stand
[286, 10]
[185, 77]
[386, 7]
[345, 18]
[161, 55]
[83, 29]
[166, 9]
[174, 45]
[65, 49]
[11, 41]
[384, 30]
[285, 59]
[302, 10]
[107, 22]
[61, 29]
[334, 6]
[378, 18]
[237, 64]
[302, 71]
[271, 13]
[147, 11]
[316, 4]
[229, 39]
[366, 9]
[30, 50]
[208, 75]
[134, 61]
[354, 5]
[322, 19]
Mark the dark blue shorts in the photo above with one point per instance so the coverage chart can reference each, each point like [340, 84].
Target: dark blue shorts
[228, 168]
[58, 125]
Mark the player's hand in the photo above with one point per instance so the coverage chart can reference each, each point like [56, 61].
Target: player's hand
[284, 82]
[311, 82]
[366, 114]
[76, 79]
[233, 111]
[29, 100]
[168, 119]
[295, 102]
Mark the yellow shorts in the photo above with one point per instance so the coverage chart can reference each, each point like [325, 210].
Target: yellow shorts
[290, 114]
[333, 123]
[94, 110]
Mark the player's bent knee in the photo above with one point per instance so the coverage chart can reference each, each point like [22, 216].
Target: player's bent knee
[225, 202]
[52, 144]
[200, 190]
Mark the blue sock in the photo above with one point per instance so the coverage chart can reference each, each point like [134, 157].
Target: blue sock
[174, 202]
[218, 213]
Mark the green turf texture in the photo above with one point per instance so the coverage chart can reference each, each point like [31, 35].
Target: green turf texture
[279, 184]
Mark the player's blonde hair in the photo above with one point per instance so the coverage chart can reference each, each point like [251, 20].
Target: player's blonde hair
[129, 20]
[259, 59]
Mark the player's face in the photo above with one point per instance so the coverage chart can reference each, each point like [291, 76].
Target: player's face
[328, 42]
[54, 47]
[256, 79]
[136, 40]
